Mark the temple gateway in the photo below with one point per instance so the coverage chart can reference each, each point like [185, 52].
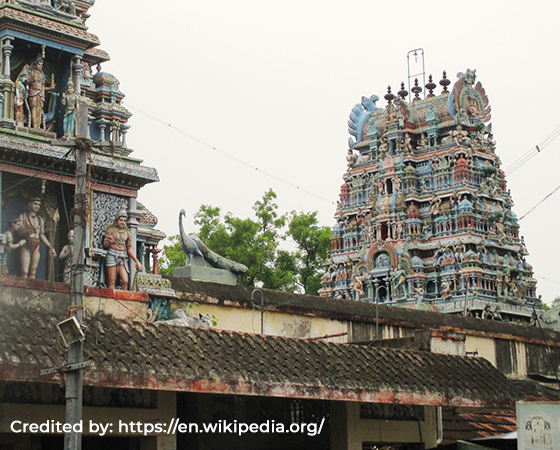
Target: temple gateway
[424, 217]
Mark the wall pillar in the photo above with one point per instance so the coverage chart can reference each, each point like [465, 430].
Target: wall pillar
[133, 215]
[7, 48]
[102, 125]
[77, 72]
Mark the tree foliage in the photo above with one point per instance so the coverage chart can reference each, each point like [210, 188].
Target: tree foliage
[260, 243]
[312, 243]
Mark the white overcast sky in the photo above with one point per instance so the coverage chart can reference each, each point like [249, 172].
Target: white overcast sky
[272, 82]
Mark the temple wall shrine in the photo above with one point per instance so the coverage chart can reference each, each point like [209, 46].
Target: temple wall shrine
[53, 90]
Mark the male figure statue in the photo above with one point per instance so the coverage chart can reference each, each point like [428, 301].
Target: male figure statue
[118, 243]
[33, 230]
[14, 224]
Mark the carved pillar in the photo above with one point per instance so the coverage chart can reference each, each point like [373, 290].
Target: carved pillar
[115, 131]
[102, 123]
[141, 254]
[77, 72]
[155, 252]
[133, 215]
[6, 87]
[7, 48]
[124, 130]
[388, 286]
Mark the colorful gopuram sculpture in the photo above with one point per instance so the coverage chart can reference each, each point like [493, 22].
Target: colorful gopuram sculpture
[424, 217]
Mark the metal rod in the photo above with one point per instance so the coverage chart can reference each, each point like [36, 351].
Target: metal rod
[327, 336]
[423, 73]
[262, 307]
[376, 310]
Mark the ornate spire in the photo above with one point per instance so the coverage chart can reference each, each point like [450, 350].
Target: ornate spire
[431, 86]
[389, 96]
[403, 92]
[416, 89]
[445, 82]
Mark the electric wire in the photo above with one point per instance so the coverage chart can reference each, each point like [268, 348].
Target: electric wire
[539, 203]
[35, 174]
[533, 151]
[229, 155]
[547, 279]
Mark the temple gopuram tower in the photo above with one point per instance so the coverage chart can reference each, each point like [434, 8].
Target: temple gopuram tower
[424, 217]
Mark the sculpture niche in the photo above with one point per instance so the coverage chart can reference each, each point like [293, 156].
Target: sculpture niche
[200, 257]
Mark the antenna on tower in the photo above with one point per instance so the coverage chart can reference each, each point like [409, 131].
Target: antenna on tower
[417, 53]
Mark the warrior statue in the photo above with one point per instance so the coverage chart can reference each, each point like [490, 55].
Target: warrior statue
[118, 243]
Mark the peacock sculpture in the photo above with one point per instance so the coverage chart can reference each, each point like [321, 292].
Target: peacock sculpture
[193, 246]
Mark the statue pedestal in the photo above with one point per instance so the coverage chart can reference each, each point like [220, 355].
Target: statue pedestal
[199, 273]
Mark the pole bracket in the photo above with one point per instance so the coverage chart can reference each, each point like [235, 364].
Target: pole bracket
[68, 368]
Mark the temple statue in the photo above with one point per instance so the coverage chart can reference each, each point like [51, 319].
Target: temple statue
[14, 225]
[193, 246]
[118, 242]
[21, 105]
[33, 231]
[70, 100]
[66, 254]
[36, 94]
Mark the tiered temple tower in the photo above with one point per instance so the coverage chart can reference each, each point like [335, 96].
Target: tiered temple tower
[424, 217]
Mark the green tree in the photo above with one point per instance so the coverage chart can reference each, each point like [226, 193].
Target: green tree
[312, 243]
[256, 242]
[173, 256]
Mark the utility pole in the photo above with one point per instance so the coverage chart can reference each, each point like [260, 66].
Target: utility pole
[74, 338]
[74, 378]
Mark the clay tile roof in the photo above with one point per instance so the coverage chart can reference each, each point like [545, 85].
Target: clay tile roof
[466, 426]
[164, 357]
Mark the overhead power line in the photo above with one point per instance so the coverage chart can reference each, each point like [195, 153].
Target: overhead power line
[533, 151]
[229, 155]
[539, 203]
[35, 174]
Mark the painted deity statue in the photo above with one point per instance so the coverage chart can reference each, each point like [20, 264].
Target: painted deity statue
[118, 242]
[21, 95]
[33, 231]
[36, 93]
[14, 224]
[66, 254]
[70, 100]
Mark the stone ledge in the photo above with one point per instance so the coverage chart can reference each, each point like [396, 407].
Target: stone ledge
[31, 283]
[210, 274]
[116, 294]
